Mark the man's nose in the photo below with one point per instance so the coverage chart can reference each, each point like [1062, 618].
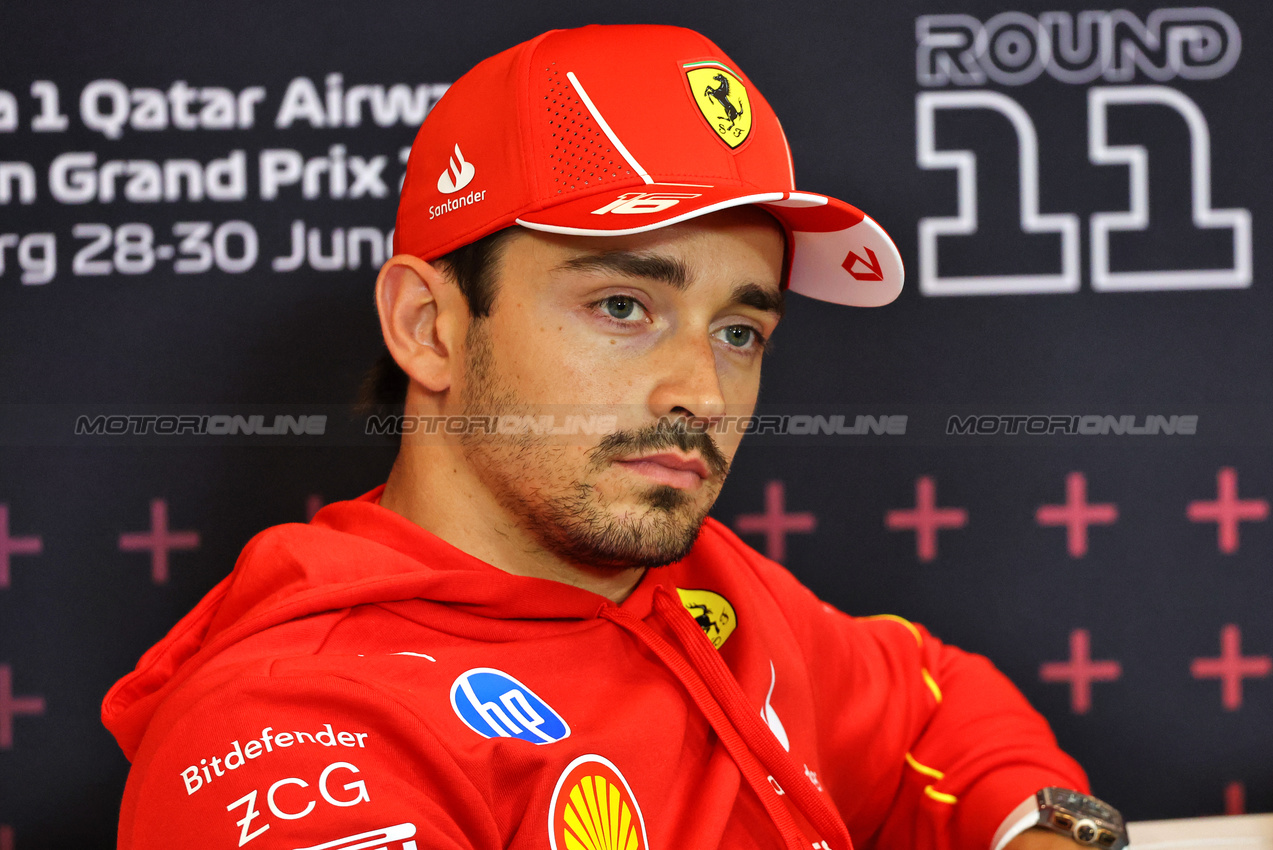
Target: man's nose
[688, 382]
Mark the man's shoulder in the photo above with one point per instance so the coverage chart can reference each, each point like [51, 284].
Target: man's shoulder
[720, 554]
[718, 546]
[292, 750]
[756, 586]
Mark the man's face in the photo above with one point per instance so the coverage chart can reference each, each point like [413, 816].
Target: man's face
[662, 331]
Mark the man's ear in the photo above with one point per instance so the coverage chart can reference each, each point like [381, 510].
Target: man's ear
[423, 316]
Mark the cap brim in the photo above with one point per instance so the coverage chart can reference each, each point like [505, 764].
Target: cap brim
[836, 252]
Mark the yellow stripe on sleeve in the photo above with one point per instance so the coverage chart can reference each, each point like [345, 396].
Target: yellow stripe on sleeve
[919, 641]
[905, 622]
[923, 768]
[940, 796]
[932, 684]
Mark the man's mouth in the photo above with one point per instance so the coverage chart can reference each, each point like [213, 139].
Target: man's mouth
[668, 468]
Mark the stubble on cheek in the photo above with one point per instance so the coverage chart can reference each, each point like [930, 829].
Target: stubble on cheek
[573, 501]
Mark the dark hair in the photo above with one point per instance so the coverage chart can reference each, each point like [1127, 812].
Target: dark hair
[472, 267]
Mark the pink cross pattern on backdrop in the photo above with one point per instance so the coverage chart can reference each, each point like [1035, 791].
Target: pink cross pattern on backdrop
[159, 541]
[313, 504]
[1231, 667]
[926, 519]
[13, 545]
[6, 837]
[1080, 671]
[1235, 798]
[1228, 510]
[11, 706]
[775, 523]
[1076, 514]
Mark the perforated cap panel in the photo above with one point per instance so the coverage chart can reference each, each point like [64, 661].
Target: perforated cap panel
[579, 152]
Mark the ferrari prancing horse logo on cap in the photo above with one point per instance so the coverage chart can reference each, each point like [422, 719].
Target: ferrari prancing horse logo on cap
[722, 98]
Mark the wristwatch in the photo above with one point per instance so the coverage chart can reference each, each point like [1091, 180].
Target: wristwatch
[1086, 820]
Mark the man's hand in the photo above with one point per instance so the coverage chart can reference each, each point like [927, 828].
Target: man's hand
[1042, 839]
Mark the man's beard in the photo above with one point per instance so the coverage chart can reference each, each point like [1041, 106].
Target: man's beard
[530, 477]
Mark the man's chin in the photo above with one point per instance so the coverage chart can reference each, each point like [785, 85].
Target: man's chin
[673, 501]
[659, 532]
[622, 559]
[667, 499]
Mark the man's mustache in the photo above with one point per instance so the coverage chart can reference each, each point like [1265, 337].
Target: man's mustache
[662, 435]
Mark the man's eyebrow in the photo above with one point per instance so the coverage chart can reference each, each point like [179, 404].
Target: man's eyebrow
[665, 269]
[757, 296]
[673, 272]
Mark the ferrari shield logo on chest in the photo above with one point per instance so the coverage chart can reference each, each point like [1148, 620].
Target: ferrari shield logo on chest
[713, 613]
[722, 98]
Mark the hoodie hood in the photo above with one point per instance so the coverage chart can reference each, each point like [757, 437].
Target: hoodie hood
[351, 553]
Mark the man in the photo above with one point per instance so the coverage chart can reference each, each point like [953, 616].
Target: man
[536, 639]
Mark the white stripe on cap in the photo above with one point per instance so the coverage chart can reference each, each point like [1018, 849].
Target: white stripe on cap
[587, 101]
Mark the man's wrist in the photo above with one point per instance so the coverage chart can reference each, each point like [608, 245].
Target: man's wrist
[1038, 838]
[1023, 817]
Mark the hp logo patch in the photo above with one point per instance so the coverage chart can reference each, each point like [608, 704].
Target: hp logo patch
[495, 705]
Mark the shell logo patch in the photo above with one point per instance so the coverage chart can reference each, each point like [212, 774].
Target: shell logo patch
[714, 614]
[593, 808]
[722, 98]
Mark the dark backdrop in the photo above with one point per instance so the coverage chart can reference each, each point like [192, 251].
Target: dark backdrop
[1173, 322]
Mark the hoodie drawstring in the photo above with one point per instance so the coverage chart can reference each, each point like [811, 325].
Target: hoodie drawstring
[720, 680]
[745, 735]
[743, 757]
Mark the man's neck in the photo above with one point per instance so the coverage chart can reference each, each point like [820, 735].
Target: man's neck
[434, 490]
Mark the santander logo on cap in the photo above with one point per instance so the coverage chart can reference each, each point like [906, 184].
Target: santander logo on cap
[457, 176]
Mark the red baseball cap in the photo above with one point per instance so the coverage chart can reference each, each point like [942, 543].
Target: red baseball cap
[613, 130]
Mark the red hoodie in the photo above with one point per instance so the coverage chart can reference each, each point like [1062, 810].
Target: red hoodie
[357, 682]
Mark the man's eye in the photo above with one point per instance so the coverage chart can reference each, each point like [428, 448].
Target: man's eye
[740, 336]
[620, 306]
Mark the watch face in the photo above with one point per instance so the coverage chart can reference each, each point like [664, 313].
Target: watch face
[1087, 819]
[1076, 802]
